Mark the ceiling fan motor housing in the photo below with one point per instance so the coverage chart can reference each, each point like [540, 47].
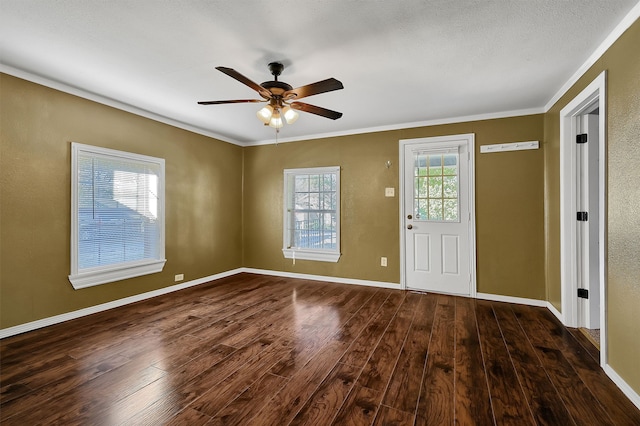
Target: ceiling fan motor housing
[277, 88]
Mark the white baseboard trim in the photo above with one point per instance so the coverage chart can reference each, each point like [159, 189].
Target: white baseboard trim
[329, 279]
[511, 299]
[45, 322]
[555, 312]
[624, 386]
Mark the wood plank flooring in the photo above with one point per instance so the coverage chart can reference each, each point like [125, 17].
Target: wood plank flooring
[259, 350]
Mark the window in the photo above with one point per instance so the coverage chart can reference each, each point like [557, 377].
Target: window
[117, 215]
[436, 187]
[312, 214]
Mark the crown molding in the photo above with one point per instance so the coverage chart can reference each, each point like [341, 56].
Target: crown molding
[623, 26]
[405, 126]
[72, 90]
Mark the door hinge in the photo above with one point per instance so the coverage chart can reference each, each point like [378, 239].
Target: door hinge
[583, 293]
[583, 216]
[582, 138]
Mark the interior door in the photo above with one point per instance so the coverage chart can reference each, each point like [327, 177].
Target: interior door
[438, 243]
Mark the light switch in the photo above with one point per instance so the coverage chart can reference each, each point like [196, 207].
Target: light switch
[389, 192]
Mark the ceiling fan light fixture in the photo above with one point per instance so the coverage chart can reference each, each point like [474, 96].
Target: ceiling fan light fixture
[265, 114]
[276, 120]
[290, 114]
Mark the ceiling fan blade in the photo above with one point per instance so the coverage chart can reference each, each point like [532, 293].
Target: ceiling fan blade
[301, 106]
[237, 101]
[244, 80]
[323, 86]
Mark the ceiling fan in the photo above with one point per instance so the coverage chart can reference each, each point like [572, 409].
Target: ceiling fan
[282, 97]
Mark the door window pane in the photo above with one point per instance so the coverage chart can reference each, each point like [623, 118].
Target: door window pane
[436, 187]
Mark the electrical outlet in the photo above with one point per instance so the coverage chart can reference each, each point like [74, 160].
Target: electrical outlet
[389, 192]
[383, 261]
[179, 277]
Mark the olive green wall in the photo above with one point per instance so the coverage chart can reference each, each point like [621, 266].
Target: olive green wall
[38, 124]
[509, 204]
[622, 63]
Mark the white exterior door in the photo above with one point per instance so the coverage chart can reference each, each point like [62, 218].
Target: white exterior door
[438, 226]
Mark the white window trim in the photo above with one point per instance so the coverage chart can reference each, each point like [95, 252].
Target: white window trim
[310, 254]
[105, 274]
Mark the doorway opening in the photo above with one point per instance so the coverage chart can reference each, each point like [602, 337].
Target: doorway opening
[587, 235]
[582, 213]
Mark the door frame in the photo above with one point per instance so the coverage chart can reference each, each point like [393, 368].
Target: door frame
[594, 92]
[470, 138]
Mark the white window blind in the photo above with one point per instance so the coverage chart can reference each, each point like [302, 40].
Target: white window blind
[117, 215]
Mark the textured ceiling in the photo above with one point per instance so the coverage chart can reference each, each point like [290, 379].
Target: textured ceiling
[401, 62]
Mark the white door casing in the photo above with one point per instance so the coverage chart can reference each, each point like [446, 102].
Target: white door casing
[438, 234]
[595, 92]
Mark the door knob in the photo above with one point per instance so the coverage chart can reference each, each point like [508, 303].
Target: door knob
[409, 217]
[409, 226]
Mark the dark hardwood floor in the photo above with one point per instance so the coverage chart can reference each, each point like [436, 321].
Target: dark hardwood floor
[258, 350]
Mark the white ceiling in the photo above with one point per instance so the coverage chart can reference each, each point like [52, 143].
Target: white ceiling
[401, 62]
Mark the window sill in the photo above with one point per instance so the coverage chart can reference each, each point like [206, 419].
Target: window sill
[102, 276]
[317, 255]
